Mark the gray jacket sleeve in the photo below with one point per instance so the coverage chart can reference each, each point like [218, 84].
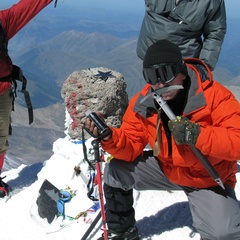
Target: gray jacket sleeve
[214, 31]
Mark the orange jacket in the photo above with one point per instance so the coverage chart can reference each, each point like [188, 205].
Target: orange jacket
[209, 104]
[12, 21]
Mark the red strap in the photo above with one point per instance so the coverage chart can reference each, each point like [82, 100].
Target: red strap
[3, 189]
[1, 160]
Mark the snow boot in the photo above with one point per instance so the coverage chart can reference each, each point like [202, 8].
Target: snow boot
[4, 188]
[130, 234]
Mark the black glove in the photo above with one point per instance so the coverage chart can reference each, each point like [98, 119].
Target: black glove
[184, 131]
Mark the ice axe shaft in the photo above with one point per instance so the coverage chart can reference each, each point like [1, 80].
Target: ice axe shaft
[203, 159]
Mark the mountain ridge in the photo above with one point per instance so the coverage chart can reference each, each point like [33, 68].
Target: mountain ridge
[33, 143]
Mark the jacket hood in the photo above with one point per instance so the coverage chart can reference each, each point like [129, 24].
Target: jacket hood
[203, 69]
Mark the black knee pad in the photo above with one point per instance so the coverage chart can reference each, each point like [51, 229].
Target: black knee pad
[118, 200]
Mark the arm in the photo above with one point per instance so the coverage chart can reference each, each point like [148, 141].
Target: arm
[214, 31]
[126, 142]
[17, 16]
[221, 139]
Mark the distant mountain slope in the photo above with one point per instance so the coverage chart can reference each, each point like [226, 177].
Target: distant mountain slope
[48, 64]
[230, 54]
[235, 90]
[223, 76]
[33, 143]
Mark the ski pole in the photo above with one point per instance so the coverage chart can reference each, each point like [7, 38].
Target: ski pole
[101, 214]
[95, 144]
[208, 166]
[91, 227]
[103, 131]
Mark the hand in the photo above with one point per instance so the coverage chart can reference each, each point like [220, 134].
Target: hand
[184, 131]
[96, 126]
[90, 127]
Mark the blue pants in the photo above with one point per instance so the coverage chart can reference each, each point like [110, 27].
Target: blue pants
[215, 212]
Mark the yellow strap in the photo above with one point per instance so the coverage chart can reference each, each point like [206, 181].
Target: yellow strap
[157, 144]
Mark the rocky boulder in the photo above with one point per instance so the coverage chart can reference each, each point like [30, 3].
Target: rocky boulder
[95, 89]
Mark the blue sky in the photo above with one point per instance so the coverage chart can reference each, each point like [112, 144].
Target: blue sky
[232, 6]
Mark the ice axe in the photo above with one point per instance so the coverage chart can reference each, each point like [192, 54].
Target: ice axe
[202, 158]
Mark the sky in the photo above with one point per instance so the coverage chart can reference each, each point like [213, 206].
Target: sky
[232, 6]
[159, 214]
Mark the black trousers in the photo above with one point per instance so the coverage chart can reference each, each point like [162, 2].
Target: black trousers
[215, 212]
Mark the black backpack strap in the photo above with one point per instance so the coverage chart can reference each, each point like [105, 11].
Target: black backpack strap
[18, 75]
[3, 44]
[55, 3]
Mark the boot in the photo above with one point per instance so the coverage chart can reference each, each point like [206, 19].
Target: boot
[4, 188]
[130, 234]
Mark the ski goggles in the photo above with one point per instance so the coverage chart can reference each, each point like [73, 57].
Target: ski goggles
[162, 73]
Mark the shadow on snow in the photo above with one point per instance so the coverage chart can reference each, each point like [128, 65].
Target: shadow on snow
[26, 177]
[175, 216]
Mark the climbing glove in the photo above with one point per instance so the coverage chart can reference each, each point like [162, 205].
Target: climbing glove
[184, 131]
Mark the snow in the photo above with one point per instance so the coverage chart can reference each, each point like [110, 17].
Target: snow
[159, 214]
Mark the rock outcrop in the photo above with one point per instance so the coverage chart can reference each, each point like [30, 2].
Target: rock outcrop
[95, 89]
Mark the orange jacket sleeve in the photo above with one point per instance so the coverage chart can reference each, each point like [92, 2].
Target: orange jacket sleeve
[221, 139]
[128, 142]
